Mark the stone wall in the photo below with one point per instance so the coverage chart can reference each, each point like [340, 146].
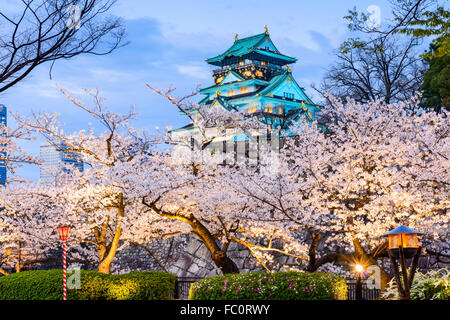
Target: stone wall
[187, 256]
[167, 251]
[196, 260]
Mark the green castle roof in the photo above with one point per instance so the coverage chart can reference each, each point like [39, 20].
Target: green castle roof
[248, 45]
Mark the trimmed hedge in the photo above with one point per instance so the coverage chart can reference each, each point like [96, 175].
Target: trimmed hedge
[270, 286]
[47, 285]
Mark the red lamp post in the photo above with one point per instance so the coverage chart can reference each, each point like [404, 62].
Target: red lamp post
[64, 235]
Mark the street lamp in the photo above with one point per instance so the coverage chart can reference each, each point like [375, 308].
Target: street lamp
[403, 244]
[358, 286]
[64, 235]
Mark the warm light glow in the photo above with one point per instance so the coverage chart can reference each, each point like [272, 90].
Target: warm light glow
[8, 251]
[405, 240]
[359, 268]
[64, 233]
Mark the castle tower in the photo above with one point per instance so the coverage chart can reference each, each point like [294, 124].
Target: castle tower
[252, 76]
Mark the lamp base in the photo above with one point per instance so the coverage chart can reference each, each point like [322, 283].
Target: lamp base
[408, 252]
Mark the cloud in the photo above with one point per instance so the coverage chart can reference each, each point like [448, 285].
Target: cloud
[113, 75]
[194, 71]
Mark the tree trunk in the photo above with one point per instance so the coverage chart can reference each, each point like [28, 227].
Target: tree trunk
[105, 266]
[4, 272]
[315, 238]
[224, 263]
[218, 255]
[110, 251]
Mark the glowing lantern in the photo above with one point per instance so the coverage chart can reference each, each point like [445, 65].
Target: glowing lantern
[64, 233]
[405, 238]
[8, 251]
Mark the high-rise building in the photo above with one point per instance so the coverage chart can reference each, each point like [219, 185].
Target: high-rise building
[56, 157]
[252, 76]
[3, 121]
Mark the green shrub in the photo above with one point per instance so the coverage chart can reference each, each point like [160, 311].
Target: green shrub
[270, 286]
[433, 285]
[47, 285]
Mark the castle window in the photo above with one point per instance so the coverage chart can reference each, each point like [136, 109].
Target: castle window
[244, 89]
[288, 95]
[280, 110]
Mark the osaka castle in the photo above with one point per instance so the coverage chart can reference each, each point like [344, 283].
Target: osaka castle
[254, 77]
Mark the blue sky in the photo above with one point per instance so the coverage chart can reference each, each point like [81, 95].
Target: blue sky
[169, 42]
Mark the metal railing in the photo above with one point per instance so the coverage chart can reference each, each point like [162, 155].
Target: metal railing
[246, 65]
[183, 284]
[368, 293]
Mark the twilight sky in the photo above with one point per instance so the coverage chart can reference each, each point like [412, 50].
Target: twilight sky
[169, 42]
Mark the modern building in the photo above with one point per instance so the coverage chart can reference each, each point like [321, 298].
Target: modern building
[252, 76]
[55, 157]
[3, 122]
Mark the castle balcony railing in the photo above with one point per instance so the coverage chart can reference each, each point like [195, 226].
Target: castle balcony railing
[225, 69]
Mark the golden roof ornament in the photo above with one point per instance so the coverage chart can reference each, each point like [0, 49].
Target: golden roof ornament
[303, 106]
[288, 69]
[236, 37]
[266, 29]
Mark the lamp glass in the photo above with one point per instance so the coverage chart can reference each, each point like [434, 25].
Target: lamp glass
[394, 241]
[410, 240]
[64, 232]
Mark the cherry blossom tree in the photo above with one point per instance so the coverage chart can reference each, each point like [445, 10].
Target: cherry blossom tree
[195, 193]
[97, 202]
[326, 197]
[373, 168]
[30, 216]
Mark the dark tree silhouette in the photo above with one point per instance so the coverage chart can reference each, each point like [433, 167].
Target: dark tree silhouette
[49, 30]
[387, 68]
